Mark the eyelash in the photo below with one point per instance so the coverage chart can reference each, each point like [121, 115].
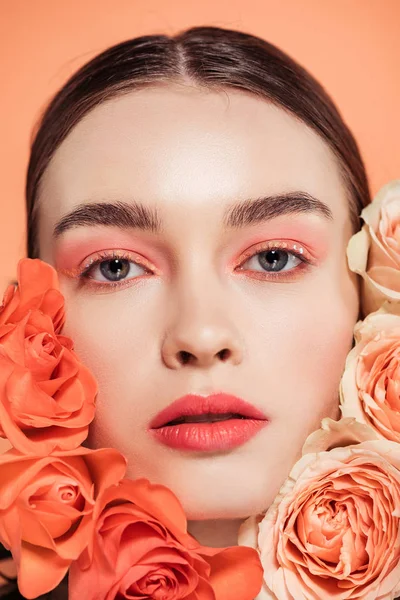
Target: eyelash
[291, 248]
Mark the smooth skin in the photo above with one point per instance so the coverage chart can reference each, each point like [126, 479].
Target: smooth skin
[200, 287]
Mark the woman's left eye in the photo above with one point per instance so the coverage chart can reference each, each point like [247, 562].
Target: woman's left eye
[275, 260]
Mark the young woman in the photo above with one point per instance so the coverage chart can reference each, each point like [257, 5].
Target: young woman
[196, 194]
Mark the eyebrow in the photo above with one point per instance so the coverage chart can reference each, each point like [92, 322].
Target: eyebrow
[242, 214]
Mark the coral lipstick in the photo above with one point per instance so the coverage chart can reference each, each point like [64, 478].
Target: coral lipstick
[207, 423]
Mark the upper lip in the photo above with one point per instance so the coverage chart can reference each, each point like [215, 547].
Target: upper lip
[218, 403]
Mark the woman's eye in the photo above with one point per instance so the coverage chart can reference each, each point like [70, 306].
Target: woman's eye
[273, 261]
[110, 271]
[113, 270]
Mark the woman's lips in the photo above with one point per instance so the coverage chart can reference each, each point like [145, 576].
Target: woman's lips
[207, 423]
[208, 437]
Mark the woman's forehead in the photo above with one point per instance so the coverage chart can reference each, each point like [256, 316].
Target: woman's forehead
[173, 145]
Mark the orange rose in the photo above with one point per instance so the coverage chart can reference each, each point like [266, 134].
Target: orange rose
[334, 529]
[47, 397]
[141, 549]
[37, 290]
[374, 252]
[370, 385]
[46, 506]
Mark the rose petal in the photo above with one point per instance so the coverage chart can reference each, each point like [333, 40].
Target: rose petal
[236, 573]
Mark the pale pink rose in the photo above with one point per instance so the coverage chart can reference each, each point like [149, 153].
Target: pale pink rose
[374, 252]
[333, 531]
[370, 385]
[338, 434]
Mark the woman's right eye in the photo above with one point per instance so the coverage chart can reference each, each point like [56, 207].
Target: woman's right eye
[115, 269]
[112, 270]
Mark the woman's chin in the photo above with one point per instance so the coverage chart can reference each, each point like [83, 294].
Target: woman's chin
[221, 505]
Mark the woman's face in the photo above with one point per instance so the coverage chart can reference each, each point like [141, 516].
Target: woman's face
[200, 285]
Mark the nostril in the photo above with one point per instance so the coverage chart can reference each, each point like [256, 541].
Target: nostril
[185, 356]
[223, 354]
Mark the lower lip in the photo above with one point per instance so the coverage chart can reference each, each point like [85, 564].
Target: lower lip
[209, 437]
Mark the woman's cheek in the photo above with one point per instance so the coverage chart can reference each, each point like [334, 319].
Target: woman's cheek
[319, 335]
[104, 325]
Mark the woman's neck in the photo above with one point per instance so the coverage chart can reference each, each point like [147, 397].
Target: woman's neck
[216, 533]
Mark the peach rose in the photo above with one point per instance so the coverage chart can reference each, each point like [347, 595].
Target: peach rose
[333, 532]
[370, 384]
[47, 397]
[46, 506]
[141, 549]
[374, 252]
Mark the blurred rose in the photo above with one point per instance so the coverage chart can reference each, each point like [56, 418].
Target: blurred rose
[46, 506]
[141, 549]
[334, 529]
[370, 385]
[47, 397]
[374, 252]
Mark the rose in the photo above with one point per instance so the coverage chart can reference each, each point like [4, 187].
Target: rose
[46, 506]
[334, 529]
[374, 252]
[370, 384]
[37, 289]
[47, 397]
[141, 548]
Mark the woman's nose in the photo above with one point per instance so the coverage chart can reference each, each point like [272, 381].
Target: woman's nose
[202, 333]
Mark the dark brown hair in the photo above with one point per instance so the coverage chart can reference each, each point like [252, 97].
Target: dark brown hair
[210, 57]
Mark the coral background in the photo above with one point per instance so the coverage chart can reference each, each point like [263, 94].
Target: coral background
[351, 46]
